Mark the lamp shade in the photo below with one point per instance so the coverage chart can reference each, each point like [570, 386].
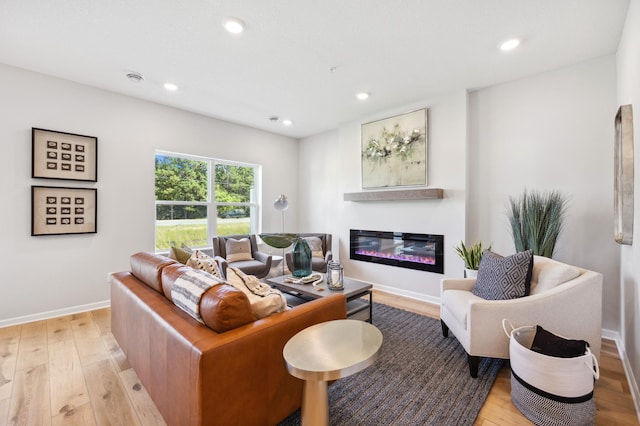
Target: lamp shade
[281, 203]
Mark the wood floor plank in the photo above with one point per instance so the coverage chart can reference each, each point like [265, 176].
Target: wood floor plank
[118, 358]
[9, 343]
[88, 340]
[78, 416]
[109, 399]
[4, 411]
[102, 318]
[30, 400]
[147, 411]
[32, 350]
[68, 389]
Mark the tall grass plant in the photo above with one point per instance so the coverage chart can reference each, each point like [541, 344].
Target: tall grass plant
[537, 220]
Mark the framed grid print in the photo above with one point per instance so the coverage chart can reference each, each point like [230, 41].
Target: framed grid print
[59, 211]
[59, 155]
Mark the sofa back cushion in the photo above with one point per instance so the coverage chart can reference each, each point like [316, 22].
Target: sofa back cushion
[222, 307]
[148, 267]
[548, 274]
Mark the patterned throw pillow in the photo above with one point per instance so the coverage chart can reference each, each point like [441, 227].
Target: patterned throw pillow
[502, 278]
[199, 260]
[315, 244]
[238, 250]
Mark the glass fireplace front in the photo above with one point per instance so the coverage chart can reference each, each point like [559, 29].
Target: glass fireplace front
[406, 250]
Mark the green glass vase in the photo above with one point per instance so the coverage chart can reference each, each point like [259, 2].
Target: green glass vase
[301, 258]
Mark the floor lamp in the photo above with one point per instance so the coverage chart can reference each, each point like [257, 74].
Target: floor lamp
[281, 204]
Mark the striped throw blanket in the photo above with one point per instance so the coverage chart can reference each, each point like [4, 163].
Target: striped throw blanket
[188, 289]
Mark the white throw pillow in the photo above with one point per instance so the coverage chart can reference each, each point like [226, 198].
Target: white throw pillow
[238, 250]
[548, 274]
[315, 244]
[199, 260]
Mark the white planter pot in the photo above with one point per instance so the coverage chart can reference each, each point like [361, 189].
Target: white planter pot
[471, 273]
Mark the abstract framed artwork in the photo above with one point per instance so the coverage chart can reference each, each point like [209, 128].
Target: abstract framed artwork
[623, 176]
[394, 151]
[59, 155]
[59, 211]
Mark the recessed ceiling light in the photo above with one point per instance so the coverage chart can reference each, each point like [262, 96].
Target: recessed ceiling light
[510, 44]
[135, 77]
[362, 96]
[233, 25]
[287, 122]
[170, 87]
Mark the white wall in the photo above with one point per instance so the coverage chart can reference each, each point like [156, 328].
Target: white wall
[628, 92]
[58, 273]
[332, 164]
[552, 131]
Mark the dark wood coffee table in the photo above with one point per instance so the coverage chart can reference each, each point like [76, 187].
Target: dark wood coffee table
[358, 307]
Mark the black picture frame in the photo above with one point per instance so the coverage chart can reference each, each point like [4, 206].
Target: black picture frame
[61, 155]
[60, 211]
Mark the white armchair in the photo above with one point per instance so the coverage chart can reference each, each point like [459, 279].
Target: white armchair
[564, 299]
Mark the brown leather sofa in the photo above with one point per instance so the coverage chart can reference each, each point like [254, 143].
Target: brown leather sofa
[195, 375]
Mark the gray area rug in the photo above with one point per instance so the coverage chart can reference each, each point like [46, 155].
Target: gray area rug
[420, 378]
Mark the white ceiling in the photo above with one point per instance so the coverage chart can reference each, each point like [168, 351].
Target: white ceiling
[401, 51]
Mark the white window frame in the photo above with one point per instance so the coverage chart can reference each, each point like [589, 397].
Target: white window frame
[254, 204]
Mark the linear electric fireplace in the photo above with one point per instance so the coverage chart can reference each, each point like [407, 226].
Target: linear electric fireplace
[415, 251]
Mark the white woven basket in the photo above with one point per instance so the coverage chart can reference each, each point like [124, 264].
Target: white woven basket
[550, 390]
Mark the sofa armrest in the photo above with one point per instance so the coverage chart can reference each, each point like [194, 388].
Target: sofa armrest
[263, 257]
[328, 256]
[466, 284]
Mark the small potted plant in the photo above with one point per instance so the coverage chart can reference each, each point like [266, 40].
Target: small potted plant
[471, 256]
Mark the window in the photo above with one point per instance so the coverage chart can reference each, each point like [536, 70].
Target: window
[189, 212]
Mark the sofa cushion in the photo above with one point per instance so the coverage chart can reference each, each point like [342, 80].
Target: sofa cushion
[315, 244]
[199, 260]
[264, 300]
[238, 250]
[502, 278]
[222, 307]
[548, 274]
[188, 289]
[147, 267]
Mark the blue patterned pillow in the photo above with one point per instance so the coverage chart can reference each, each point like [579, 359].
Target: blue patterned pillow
[502, 278]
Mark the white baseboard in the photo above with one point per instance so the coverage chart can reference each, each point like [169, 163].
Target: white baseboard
[407, 293]
[56, 313]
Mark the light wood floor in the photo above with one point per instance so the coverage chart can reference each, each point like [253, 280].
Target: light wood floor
[70, 371]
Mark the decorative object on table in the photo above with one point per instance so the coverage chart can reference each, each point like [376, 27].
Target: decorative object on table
[60, 155]
[471, 256]
[335, 275]
[58, 211]
[548, 387]
[394, 151]
[537, 220]
[301, 254]
[309, 279]
[623, 176]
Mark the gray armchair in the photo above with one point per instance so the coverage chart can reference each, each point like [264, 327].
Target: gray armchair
[318, 264]
[257, 263]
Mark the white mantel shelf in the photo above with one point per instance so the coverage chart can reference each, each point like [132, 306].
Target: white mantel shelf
[396, 194]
